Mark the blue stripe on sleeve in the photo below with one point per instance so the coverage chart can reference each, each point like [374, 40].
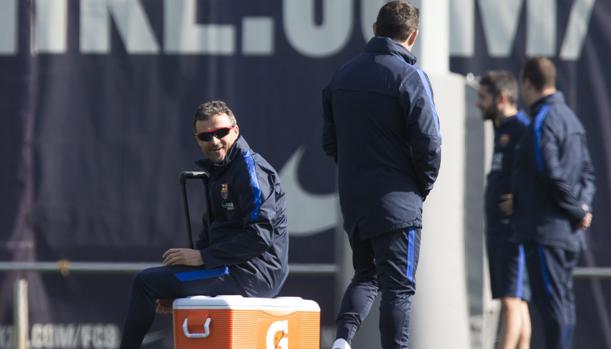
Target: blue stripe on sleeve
[520, 278]
[538, 123]
[202, 274]
[410, 255]
[523, 118]
[254, 185]
[429, 94]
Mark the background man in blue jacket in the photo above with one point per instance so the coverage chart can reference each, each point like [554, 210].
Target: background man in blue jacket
[242, 249]
[553, 190]
[497, 100]
[381, 127]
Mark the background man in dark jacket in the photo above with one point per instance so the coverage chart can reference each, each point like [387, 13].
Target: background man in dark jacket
[243, 248]
[553, 191]
[498, 102]
[381, 127]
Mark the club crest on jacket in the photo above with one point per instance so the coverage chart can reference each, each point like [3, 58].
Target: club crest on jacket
[504, 139]
[224, 191]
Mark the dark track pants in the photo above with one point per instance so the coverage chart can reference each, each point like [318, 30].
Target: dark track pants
[169, 283]
[385, 263]
[550, 270]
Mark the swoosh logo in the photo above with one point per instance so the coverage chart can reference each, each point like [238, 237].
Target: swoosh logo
[308, 213]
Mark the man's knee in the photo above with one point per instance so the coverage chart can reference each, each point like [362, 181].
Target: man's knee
[512, 304]
[147, 277]
[396, 285]
[396, 296]
[365, 276]
[143, 276]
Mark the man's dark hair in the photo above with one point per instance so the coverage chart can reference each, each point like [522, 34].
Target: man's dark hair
[501, 81]
[397, 19]
[540, 72]
[209, 109]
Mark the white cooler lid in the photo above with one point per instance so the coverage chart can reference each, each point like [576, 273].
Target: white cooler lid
[246, 303]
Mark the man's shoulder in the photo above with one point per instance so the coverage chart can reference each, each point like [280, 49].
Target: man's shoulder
[415, 78]
[261, 163]
[252, 164]
[349, 66]
[381, 64]
[515, 126]
[561, 115]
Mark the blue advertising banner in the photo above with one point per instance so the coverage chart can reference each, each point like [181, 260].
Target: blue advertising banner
[97, 99]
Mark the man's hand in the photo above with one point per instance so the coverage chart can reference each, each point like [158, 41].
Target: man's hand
[506, 204]
[163, 306]
[182, 256]
[586, 221]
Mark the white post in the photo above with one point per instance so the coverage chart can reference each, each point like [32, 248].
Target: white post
[20, 311]
[441, 301]
[433, 45]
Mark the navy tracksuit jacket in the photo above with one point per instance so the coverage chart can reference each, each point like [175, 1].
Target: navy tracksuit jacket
[553, 176]
[248, 230]
[381, 127]
[507, 135]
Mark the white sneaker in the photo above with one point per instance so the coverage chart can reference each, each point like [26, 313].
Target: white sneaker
[340, 343]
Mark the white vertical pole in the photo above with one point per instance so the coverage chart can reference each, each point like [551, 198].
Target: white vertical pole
[433, 45]
[20, 311]
[441, 300]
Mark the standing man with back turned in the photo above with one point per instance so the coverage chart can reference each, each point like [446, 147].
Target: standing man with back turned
[497, 100]
[382, 129]
[553, 190]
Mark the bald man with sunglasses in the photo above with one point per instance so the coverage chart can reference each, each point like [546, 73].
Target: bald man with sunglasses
[242, 249]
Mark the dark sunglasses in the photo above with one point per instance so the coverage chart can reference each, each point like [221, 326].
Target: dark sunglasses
[218, 133]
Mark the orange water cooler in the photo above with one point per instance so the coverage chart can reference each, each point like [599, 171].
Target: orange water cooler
[235, 322]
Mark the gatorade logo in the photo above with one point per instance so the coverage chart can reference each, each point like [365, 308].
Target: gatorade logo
[277, 335]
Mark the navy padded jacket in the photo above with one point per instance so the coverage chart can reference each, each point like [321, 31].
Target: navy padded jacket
[382, 128]
[553, 176]
[247, 231]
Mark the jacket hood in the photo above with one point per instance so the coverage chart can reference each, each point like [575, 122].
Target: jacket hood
[380, 44]
[554, 98]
